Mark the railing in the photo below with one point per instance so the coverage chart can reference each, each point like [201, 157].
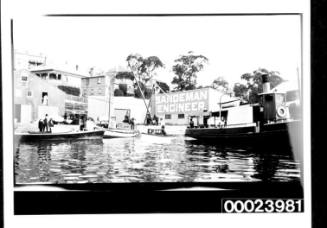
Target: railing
[76, 99]
[74, 104]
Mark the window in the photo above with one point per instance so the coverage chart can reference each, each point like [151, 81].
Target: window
[280, 98]
[52, 76]
[44, 98]
[24, 78]
[29, 93]
[168, 116]
[59, 76]
[181, 116]
[292, 95]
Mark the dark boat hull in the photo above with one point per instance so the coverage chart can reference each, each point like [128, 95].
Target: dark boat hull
[59, 136]
[279, 134]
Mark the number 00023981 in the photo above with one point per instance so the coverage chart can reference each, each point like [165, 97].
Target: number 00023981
[262, 205]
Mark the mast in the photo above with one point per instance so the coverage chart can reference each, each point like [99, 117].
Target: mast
[109, 102]
[143, 97]
[111, 83]
[299, 84]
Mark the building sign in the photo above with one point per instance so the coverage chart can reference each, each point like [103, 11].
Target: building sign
[188, 102]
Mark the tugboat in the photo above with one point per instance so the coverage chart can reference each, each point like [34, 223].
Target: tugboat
[273, 121]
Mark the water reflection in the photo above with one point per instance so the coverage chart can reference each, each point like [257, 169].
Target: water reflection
[149, 159]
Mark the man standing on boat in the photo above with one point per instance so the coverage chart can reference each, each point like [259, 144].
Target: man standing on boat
[50, 125]
[126, 119]
[90, 125]
[46, 123]
[132, 123]
[155, 119]
[41, 125]
[81, 124]
[191, 123]
[162, 123]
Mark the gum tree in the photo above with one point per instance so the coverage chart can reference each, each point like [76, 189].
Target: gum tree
[253, 83]
[186, 69]
[143, 67]
[220, 84]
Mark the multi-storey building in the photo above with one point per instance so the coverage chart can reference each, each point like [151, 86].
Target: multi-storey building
[27, 61]
[125, 79]
[99, 91]
[34, 97]
[96, 86]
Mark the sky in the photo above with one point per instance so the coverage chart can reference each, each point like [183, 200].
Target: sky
[234, 45]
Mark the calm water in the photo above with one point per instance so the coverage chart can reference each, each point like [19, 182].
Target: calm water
[148, 159]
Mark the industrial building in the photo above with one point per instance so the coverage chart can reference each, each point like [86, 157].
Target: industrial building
[176, 108]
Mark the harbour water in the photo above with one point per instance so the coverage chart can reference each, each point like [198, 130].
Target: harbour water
[148, 159]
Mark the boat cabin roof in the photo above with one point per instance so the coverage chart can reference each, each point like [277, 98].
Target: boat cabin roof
[270, 93]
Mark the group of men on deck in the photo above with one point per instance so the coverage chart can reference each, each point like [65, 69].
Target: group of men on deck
[130, 121]
[45, 124]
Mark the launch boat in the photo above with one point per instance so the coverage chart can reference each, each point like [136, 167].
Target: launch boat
[72, 135]
[120, 133]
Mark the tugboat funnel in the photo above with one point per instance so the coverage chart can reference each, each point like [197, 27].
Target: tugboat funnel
[265, 83]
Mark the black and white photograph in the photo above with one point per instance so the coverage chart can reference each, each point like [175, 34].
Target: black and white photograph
[158, 113]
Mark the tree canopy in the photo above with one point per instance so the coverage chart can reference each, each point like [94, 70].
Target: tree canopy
[241, 91]
[186, 69]
[220, 84]
[163, 87]
[253, 84]
[143, 67]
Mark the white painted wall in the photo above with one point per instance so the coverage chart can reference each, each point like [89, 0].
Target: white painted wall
[26, 113]
[214, 99]
[240, 115]
[174, 120]
[98, 106]
[71, 80]
[137, 107]
[52, 111]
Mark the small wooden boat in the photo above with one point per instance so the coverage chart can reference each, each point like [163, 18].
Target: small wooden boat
[71, 135]
[120, 133]
[157, 135]
[158, 138]
[156, 132]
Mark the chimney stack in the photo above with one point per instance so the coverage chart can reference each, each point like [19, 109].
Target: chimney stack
[265, 83]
